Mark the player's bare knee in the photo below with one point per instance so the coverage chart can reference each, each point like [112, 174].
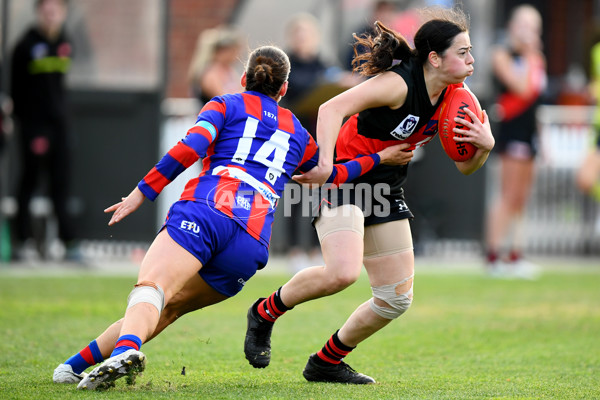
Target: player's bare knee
[341, 281]
[391, 301]
[147, 292]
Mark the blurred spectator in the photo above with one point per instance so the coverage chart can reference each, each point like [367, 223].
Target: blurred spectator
[312, 81]
[407, 19]
[383, 11]
[309, 72]
[40, 62]
[303, 41]
[520, 70]
[573, 90]
[215, 68]
[588, 175]
[6, 129]
[6, 126]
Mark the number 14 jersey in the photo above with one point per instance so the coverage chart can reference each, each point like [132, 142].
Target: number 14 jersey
[250, 147]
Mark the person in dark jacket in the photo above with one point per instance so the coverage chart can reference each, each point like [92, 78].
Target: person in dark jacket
[40, 62]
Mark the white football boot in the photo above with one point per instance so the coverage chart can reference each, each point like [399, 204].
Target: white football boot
[129, 363]
[64, 374]
[523, 269]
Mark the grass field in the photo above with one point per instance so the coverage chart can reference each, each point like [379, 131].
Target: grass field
[465, 337]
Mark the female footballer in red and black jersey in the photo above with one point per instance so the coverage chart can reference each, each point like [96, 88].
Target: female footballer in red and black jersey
[397, 105]
[413, 124]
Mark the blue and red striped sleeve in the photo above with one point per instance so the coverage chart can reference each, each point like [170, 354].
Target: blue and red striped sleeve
[352, 169]
[341, 173]
[187, 151]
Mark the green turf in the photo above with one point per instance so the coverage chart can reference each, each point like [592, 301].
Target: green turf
[465, 337]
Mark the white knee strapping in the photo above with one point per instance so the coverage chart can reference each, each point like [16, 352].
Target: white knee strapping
[146, 293]
[397, 303]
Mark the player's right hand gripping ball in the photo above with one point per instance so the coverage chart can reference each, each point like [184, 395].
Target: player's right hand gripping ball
[453, 106]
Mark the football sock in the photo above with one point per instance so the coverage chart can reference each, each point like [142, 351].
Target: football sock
[334, 350]
[491, 256]
[87, 357]
[126, 342]
[272, 307]
[514, 255]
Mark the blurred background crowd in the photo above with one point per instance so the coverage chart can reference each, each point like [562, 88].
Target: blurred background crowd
[138, 72]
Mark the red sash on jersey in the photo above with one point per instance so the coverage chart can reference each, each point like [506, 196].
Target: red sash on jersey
[511, 104]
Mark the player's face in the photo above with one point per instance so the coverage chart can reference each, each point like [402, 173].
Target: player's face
[457, 60]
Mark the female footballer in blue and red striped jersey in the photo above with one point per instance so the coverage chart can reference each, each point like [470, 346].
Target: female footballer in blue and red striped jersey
[370, 227]
[250, 147]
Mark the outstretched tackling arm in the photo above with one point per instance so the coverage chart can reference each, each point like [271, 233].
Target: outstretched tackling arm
[341, 173]
[185, 153]
[352, 169]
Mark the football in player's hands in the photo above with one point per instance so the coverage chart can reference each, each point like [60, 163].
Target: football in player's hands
[453, 106]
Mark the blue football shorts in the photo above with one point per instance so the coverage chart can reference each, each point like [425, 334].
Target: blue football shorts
[229, 255]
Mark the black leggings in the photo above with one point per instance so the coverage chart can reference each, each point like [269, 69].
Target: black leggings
[40, 157]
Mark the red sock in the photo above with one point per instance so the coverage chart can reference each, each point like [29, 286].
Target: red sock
[492, 256]
[89, 355]
[272, 307]
[334, 350]
[515, 255]
[126, 342]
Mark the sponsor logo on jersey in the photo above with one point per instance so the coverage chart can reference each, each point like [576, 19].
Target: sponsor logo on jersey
[262, 188]
[406, 127]
[245, 203]
[242, 202]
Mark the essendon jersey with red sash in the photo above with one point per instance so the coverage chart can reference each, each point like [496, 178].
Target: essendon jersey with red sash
[374, 129]
[250, 148]
[517, 111]
[512, 105]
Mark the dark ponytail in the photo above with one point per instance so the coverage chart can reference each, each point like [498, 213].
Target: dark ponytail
[379, 51]
[267, 70]
[387, 45]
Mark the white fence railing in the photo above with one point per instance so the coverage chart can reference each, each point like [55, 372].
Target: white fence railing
[559, 218]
